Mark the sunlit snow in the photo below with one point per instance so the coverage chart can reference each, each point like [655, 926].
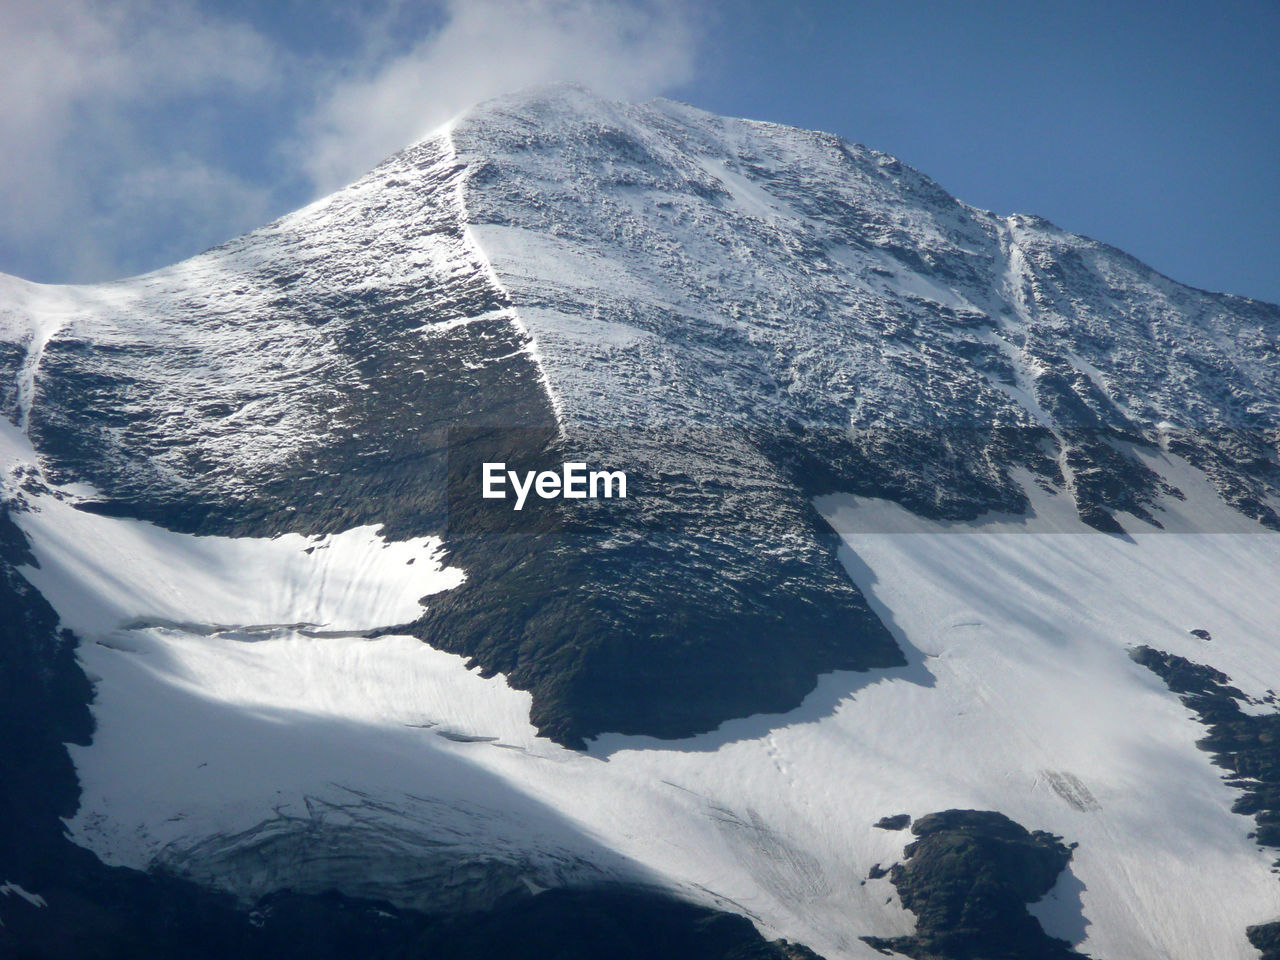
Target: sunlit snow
[1019, 697]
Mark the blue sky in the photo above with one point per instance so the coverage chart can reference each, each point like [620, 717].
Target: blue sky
[137, 132]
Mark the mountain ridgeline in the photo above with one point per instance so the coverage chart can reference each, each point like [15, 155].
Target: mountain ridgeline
[740, 315]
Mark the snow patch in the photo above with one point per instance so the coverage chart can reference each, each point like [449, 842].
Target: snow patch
[9, 888]
[103, 575]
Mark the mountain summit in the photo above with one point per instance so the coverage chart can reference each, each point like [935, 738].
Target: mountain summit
[244, 482]
[746, 315]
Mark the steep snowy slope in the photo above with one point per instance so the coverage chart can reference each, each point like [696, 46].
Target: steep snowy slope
[249, 484]
[677, 267]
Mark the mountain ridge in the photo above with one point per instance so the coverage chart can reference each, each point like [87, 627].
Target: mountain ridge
[866, 333]
[743, 316]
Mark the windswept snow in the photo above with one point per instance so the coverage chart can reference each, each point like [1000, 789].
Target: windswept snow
[216, 377]
[677, 267]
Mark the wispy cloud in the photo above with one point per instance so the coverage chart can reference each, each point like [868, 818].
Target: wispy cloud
[126, 128]
[489, 47]
[84, 91]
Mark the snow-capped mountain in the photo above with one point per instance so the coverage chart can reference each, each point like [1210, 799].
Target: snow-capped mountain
[244, 492]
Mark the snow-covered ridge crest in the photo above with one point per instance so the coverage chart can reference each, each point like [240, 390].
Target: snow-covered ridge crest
[530, 344]
[659, 264]
[225, 374]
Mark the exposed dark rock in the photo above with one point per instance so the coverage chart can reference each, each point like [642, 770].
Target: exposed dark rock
[1201, 634]
[968, 878]
[625, 925]
[44, 699]
[1246, 745]
[1266, 938]
[103, 914]
[899, 821]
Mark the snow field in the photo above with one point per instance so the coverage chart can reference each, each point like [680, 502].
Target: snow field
[1019, 697]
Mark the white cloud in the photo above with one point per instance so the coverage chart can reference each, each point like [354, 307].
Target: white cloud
[486, 48]
[116, 118]
[80, 84]
[167, 210]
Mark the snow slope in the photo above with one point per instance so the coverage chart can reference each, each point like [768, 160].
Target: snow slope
[216, 755]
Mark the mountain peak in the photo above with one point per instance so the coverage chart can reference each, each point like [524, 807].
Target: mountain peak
[252, 482]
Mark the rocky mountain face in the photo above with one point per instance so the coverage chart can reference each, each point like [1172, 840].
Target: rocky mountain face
[864, 328]
[968, 877]
[741, 316]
